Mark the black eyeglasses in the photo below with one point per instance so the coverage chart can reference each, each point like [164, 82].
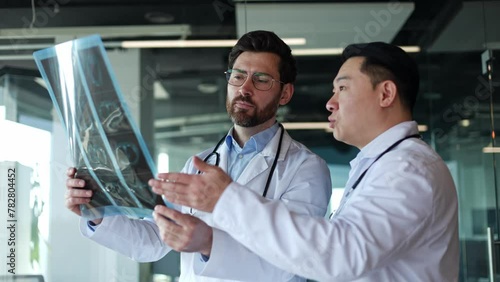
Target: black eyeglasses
[261, 81]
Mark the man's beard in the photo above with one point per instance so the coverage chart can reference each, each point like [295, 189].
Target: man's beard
[242, 118]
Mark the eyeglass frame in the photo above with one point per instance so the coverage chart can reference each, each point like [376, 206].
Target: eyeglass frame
[255, 74]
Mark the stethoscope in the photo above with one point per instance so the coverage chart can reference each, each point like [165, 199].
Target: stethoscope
[215, 154]
[353, 187]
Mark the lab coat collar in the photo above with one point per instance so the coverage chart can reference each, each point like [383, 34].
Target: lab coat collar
[257, 142]
[386, 139]
[264, 159]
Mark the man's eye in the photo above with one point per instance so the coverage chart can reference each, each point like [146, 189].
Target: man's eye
[263, 79]
[238, 77]
[341, 88]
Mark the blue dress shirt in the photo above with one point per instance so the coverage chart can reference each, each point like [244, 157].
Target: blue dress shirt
[239, 158]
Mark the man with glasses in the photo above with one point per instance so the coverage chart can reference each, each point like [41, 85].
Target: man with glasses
[257, 152]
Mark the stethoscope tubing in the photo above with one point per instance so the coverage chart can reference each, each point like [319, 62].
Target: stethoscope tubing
[273, 166]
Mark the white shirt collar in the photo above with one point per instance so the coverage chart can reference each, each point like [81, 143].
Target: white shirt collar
[386, 139]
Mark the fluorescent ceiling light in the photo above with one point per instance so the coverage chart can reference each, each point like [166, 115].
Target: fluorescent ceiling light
[491, 149]
[104, 31]
[307, 125]
[195, 43]
[177, 43]
[325, 126]
[422, 128]
[338, 51]
[193, 119]
[411, 49]
[317, 51]
[14, 57]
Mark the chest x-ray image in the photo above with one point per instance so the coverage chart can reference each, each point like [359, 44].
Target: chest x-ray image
[106, 145]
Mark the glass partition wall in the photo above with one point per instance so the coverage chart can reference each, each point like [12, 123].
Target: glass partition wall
[457, 101]
[457, 109]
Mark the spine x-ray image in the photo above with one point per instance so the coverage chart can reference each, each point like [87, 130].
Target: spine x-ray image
[106, 146]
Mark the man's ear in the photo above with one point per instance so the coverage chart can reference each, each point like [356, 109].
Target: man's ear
[387, 93]
[286, 94]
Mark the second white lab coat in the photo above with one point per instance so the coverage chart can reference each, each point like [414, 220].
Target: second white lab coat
[399, 224]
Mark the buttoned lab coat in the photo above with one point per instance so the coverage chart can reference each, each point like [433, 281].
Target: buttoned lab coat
[301, 181]
[399, 224]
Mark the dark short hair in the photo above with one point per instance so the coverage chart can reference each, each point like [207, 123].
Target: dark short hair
[267, 41]
[385, 61]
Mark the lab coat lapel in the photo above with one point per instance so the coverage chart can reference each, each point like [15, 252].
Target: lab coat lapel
[261, 162]
[257, 166]
[223, 157]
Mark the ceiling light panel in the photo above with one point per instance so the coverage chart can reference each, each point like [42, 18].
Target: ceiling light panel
[325, 25]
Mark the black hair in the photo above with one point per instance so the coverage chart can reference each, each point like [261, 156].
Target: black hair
[383, 61]
[267, 41]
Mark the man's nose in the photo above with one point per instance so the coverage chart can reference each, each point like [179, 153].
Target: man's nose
[332, 104]
[247, 87]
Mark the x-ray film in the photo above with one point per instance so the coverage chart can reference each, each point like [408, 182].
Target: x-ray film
[106, 145]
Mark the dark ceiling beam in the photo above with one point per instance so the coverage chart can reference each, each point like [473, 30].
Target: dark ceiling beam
[447, 13]
[204, 18]
[427, 22]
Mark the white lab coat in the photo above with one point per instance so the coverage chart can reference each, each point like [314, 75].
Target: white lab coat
[399, 224]
[301, 181]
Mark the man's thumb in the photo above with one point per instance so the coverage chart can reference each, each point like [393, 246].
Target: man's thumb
[200, 165]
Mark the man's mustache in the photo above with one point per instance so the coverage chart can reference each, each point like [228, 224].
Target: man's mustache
[245, 99]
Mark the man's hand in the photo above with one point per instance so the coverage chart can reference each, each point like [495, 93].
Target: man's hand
[75, 195]
[199, 191]
[183, 233]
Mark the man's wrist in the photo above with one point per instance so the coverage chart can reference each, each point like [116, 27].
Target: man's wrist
[206, 252]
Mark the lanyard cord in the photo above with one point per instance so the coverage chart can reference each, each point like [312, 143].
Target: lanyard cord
[342, 203]
[275, 161]
[379, 156]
